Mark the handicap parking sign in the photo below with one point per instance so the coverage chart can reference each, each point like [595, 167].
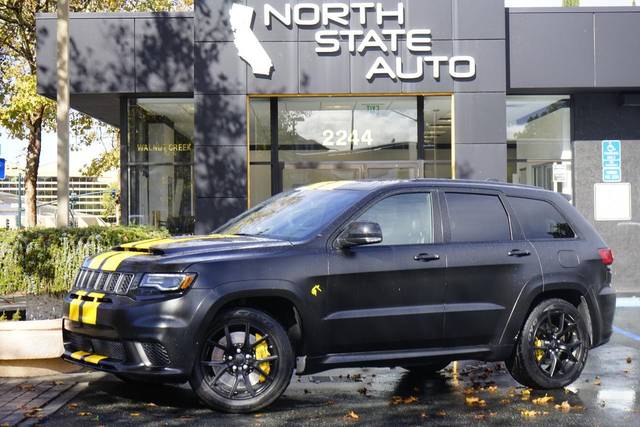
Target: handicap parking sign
[611, 161]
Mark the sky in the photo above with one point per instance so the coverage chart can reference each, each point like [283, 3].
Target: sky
[14, 151]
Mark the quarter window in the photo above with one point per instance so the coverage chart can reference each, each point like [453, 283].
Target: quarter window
[405, 219]
[477, 218]
[540, 219]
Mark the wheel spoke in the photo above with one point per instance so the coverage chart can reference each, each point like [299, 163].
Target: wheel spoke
[216, 344]
[260, 371]
[260, 341]
[247, 384]
[554, 364]
[267, 359]
[561, 326]
[227, 335]
[247, 329]
[213, 363]
[218, 376]
[234, 388]
[573, 345]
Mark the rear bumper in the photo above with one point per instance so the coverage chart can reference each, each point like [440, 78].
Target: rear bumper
[606, 299]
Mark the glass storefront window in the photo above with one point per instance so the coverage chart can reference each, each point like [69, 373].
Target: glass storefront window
[539, 150]
[344, 138]
[160, 163]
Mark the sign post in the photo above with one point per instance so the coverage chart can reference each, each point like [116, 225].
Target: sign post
[611, 161]
[3, 168]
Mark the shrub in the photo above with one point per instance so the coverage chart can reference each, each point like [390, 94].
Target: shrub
[45, 260]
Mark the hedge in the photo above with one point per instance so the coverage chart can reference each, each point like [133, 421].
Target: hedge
[45, 260]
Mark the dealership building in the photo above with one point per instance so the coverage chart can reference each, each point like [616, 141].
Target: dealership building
[221, 108]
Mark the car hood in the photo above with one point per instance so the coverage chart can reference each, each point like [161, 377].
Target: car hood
[171, 252]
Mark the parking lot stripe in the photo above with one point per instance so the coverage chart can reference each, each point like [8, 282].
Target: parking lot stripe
[626, 333]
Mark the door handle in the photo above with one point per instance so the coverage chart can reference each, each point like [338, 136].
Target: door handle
[519, 253]
[426, 257]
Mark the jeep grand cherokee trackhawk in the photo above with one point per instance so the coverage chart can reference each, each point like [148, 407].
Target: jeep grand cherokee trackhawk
[404, 273]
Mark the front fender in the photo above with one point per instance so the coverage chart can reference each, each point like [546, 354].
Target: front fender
[232, 291]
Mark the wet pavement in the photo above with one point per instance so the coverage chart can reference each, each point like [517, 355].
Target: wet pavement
[466, 393]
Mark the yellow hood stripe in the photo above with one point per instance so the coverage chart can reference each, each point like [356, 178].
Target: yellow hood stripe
[112, 263]
[97, 261]
[154, 243]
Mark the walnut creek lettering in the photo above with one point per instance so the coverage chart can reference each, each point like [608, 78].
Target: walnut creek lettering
[385, 41]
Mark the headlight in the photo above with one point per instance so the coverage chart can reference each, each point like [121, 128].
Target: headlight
[167, 282]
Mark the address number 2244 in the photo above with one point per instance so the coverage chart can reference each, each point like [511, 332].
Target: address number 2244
[343, 138]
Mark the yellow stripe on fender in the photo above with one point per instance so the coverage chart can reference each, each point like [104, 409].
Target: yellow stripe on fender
[133, 245]
[94, 358]
[74, 306]
[78, 355]
[112, 263]
[90, 309]
[97, 261]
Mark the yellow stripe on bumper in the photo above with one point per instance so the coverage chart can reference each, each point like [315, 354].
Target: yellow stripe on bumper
[78, 355]
[94, 358]
[74, 306]
[90, 308]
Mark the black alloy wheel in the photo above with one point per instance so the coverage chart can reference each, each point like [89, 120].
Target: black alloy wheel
[552, 348]
[245, 362]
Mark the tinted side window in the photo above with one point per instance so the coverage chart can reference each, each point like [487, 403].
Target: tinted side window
[405, 219]
[540, 219]
[477, 218]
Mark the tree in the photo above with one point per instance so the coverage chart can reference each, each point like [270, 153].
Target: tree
[571, 3]
[23, 113]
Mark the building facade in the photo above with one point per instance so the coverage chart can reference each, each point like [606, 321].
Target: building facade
[222, 108]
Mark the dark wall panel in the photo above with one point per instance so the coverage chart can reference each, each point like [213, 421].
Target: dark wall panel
[551, 50]
[164, 54]
[617, 49]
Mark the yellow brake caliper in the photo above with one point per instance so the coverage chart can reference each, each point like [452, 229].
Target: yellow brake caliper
[539, 353]
[262, 352]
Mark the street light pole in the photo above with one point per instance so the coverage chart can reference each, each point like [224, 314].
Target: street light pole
[62, 112]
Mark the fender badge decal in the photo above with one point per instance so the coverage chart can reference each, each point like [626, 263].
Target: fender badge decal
[316, 290]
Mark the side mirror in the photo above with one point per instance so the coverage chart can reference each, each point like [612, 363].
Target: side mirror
[359, 234]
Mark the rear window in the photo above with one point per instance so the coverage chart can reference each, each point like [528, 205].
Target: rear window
[540, 219]
[477, 218]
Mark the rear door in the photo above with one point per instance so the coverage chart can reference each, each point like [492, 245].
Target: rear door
[488, 263]
[389, 296]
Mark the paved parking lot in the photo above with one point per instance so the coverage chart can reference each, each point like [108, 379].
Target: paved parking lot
[466, 393]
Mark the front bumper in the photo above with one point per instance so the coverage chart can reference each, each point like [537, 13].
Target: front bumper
[147, 337]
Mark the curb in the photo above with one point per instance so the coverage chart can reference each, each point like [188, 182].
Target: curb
[32, 348]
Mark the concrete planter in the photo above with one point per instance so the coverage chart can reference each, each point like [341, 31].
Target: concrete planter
[32, 348]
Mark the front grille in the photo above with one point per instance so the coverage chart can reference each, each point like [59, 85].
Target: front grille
[157, 354]
[92, 280]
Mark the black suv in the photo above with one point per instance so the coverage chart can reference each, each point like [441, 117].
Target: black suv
[402, 273]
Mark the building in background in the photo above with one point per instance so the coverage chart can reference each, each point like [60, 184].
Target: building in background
[213, 123]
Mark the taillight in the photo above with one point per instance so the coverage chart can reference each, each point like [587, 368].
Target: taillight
[606, 255]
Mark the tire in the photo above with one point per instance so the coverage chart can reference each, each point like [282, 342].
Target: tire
[427, 368]
[554, 331]
[227, 375]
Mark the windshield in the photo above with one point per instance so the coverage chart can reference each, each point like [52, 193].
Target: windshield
[294, 215]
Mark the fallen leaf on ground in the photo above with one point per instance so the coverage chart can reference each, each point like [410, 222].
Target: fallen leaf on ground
[84, 414]
[474, 401]
[424, 415]
[529, 414]
[492, 388]
[135, 414]
[526, 392]
[409, 400]
[441, 413]
[564, 406]
[150, 405]
[72, 406]
[363, 391]
[542, 400]
[597, 381]
[25, 386]
[353, 415]
[629, 360]
[505, 401]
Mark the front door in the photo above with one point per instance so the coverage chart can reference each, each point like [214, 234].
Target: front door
[486, 266]
[389, 296]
